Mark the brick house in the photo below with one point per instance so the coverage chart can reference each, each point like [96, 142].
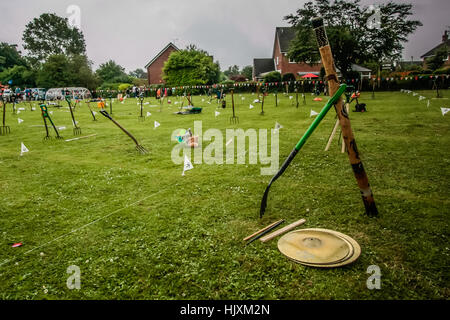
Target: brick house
[280, 61]
[155, 66]
[445, 43]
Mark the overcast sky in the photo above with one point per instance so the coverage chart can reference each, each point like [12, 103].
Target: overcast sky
[131, 32]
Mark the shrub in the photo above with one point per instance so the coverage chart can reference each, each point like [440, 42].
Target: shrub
[288, 77]
[273, 76]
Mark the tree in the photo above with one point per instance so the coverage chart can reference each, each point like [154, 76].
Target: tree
[111, 72]
[10, 57]
[55, 72]
[288, 77]
[247, 72]
[19, 75]
[437, 61]
[62, 71]
[138, 73]
[232, 71]
[81, 72]
[273, 76]
[51, 35]
[353, 36]
[191, 66]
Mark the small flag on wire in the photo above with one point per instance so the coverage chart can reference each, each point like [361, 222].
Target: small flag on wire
[445, 110]
[187, 165]
[148, 114]
[23, 149]
[19, 120]
[313, 113]
[216, 113]
[252, 106]
[157, 124]
[278, 126]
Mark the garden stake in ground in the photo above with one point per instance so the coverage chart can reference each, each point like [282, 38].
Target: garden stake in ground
[233, 119]
[76, 129]
[4, 129]
[350, 143]
[141, 100]
[139, 148]
[262, 103]
[300, 144]
[46, 116]
[92, 112]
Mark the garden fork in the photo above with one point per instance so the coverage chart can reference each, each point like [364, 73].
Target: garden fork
[233, 119]
[46, 116]
[4, 129]
[139, 148]
[76, 128]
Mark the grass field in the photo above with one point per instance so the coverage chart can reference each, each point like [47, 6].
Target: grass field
[138, 229]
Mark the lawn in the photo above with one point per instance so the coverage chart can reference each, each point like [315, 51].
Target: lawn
[138, 229]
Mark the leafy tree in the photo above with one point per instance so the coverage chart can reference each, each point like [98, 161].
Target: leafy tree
[352, 36]
[10, 57]
[81, 72]
[288, 77]
[138, 73]
[111, 72]
[247, 72]
[55, 72]
[20, 76]
[62, 71]
[437, 61]
[191, 66]
[232, 71]
[273, 76]
[51, 35]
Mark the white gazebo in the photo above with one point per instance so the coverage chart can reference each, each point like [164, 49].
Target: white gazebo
[60, 93]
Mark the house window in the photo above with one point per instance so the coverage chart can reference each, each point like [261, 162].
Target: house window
[277, 61]
[292, 61]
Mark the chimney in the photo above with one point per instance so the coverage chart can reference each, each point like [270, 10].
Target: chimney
[445, 37]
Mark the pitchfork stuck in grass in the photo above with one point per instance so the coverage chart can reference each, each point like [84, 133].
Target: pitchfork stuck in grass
[76, 128]
[4, 129]
[46, 116]
[139, 148]
[233, 119]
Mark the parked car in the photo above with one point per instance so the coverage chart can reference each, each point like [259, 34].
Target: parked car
[7, 95]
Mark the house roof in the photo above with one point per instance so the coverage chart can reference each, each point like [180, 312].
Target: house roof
[285, 35]
[160, 53]
[432, 51]
[263, 65]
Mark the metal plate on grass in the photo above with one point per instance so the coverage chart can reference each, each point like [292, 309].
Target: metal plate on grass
[319, 247]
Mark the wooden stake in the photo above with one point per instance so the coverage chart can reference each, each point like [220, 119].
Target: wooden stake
[347, 133]
[274, 234]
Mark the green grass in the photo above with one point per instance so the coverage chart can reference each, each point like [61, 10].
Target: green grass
[161, 235]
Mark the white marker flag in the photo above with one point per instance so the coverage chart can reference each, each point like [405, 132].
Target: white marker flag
[252, 106]
[216, 113]
[445, 110]
[148, 114]
[421, 98]
[187, 165]
[51, 112]
[157, 124]
[19, 120]
[23, 149]
[278, 126]
[313, 113]
[146, 103]
[290, 97]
